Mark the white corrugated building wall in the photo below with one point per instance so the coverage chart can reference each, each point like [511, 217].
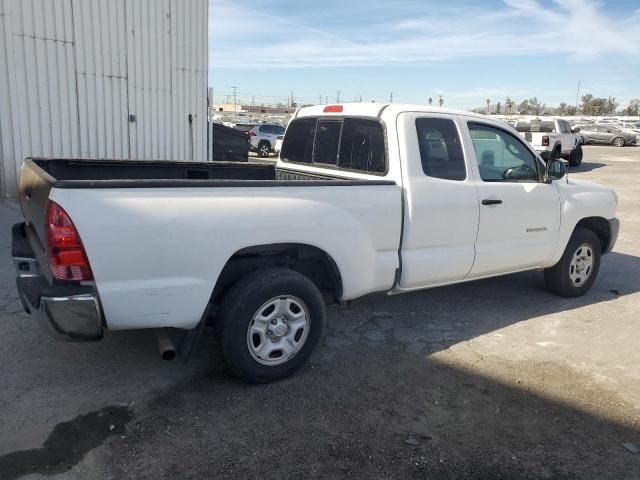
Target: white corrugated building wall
[101, 79]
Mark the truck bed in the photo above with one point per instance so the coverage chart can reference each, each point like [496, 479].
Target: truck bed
[85, 173]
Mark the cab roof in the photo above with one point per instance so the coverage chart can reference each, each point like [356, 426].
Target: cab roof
[377, 109]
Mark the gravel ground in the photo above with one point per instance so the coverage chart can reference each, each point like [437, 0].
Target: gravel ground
[491, 379]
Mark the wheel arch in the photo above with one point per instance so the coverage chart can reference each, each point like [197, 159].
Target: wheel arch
[600, 226]
[311, 261]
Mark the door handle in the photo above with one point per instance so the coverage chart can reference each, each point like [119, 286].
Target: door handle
[491, 201]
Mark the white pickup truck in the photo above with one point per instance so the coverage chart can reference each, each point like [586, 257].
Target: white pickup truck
[552, 139]
[364, 198]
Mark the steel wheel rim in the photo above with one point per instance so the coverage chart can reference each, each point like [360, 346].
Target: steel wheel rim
[618, 142]
[278, 330]
[581, 266]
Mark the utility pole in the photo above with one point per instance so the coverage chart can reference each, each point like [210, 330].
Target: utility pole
[577, 96]
[319, 99]
[391, 97]
[234, 98]
[360, 99]
[253, 101]
[292, 102]
[326, 99]
[338, 96]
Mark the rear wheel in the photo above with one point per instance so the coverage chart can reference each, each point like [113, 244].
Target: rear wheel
[576, 271]
[270, 323]
[575, 157]
[618, 142]
[264, 149]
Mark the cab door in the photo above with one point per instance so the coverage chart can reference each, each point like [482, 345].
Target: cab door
[519, 213]
[441, 211]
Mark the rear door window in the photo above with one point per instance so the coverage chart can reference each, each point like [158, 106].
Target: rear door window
[440, 149]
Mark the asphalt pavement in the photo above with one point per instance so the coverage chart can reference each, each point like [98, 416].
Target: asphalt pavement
[490, 379]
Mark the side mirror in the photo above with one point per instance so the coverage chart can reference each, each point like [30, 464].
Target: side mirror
[556, 169]
[575, 129]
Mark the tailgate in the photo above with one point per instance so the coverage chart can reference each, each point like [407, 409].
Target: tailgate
[33, 193]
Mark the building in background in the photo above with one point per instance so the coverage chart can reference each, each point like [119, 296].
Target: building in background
[101, 79]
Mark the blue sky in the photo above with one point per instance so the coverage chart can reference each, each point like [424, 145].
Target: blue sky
[466, 51]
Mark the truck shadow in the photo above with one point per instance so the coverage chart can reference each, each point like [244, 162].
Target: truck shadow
[586, 167]
[365, 412]
[432, 320]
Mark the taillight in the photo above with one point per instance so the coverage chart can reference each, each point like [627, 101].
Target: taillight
[67, 258]
[545, 140]
[332, 109]
[251, 134]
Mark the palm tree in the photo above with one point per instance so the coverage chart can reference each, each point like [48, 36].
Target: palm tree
[488, 103]
[430, 100]
[440, 100]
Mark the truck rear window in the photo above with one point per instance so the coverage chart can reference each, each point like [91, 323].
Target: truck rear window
[545, 126]
[344, 143]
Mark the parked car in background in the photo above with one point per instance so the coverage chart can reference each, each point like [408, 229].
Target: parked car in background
[552, 139]
[364, 198]
[632, 128]
[606, 135]
[244, 127]
[263, 138]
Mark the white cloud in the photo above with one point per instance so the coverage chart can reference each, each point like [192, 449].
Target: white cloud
[243, 36]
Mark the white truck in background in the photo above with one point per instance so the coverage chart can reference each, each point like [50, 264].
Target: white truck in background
[552, 139]
[364, 198]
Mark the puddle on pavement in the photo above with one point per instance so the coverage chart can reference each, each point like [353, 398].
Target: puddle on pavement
[67, 443]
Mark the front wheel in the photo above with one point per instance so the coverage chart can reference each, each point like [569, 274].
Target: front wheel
[618, 142]
[575, 157]
[264, 149]
[270, 323]
[576, 271]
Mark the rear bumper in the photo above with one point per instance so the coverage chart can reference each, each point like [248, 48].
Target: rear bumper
[614, 229]
[66, 312]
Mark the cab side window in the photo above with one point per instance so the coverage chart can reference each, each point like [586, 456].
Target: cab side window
[501, 156]
[440, 149]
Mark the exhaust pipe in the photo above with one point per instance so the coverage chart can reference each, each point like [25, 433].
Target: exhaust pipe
[165, 344]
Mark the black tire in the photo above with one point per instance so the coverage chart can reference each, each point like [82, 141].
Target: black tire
[575, 157]
[618, 142]
[264, 149]
[244, 301]
[558, 278]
